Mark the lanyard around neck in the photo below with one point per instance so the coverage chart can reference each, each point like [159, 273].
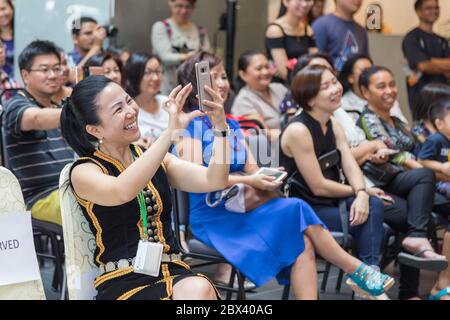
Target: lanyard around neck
[143, 209]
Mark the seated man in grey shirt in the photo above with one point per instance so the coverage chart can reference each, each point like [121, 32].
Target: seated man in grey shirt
[35, 149]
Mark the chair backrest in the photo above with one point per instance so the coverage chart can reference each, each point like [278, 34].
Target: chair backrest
[181, 208]
[11, 201]
[79, 243]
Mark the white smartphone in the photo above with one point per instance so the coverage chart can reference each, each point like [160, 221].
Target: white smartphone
[279, 175]
[203, 76]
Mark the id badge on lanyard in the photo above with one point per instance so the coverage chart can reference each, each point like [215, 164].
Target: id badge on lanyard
[148, 258]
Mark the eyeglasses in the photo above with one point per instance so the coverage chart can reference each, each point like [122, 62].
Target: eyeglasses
[305, 1]
[58, 71]
[115, 70]
[180, 6]
[155, 72]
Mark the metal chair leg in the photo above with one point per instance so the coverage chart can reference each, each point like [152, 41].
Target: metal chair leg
[326, 273]
[339, 281]
[286, 291]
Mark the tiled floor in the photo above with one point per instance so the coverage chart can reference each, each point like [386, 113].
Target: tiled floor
[272, 290]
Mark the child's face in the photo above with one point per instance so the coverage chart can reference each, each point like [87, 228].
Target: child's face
[443, 125]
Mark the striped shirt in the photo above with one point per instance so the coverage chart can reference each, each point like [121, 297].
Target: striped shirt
[35, 157]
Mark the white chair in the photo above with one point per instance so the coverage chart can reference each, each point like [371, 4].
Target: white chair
[79, 244]
[11, 201]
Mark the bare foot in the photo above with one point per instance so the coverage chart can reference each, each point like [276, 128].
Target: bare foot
[414, 245]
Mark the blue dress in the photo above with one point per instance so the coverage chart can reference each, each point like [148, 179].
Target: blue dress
[263, 243]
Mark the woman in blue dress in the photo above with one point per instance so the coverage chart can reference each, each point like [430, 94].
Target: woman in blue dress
[278, 238]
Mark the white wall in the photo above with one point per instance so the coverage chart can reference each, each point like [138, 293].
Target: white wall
[400, 17]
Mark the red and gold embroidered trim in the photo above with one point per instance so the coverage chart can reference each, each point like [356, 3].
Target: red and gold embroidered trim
[98, 228]
[112, 275]
[169, 281]
[129, 294]
[183, 264]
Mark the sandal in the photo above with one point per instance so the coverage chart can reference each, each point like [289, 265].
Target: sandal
[415, 261]
[370, 283]
[440, 294]
[248, 285]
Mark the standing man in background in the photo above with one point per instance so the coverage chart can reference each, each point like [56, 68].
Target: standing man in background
[339, 35]
[428, 54]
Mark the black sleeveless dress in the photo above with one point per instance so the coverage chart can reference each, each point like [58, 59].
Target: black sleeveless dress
[117, 232]
[323, 144]
[295, 46]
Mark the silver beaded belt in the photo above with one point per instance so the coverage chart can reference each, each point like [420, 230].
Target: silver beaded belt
[125, 263]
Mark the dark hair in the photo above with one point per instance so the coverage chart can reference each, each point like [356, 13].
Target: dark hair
[419, 3]
[80, 110]
[310, 17]
[347, 70]
[135, 70]
[77, 24]
[11, 5]
[282, 10]
[34, 49]
[427, 95]
[306, 85]
[366, 75]
[99, 59]
[306, 59]
[243, 63]
[186, 75]
[192, 2]
[439, 109]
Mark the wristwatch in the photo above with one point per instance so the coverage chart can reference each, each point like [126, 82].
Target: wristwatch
[221, 134]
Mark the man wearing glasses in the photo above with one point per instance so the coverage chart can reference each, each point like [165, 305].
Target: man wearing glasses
[427, 53]
[35, 150]
[87, 38]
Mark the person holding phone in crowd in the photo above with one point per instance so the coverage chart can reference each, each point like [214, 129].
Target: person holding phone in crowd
[282, 232]
[124, 191]
[176, 39]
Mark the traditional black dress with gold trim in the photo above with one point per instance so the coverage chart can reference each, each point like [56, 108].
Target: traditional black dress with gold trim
[118, 229]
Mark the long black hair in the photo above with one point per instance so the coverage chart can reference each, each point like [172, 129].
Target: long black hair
[135, 71]
[80, 110]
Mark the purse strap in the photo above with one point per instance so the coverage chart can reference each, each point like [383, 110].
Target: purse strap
[343, 212]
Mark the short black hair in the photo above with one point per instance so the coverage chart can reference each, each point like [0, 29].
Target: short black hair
[347, 70]
[439, 109]
[34, 49]
[429, 94]
[78, 23]
[366, 75]
[419, 3]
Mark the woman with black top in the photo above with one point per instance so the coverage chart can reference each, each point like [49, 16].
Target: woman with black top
[124, 192]
[313, 134]
[289, 37]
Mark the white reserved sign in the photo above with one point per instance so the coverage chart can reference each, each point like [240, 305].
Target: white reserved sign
[18, 262]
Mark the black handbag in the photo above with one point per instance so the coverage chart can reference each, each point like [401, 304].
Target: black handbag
[329, 160]
[381, 174]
